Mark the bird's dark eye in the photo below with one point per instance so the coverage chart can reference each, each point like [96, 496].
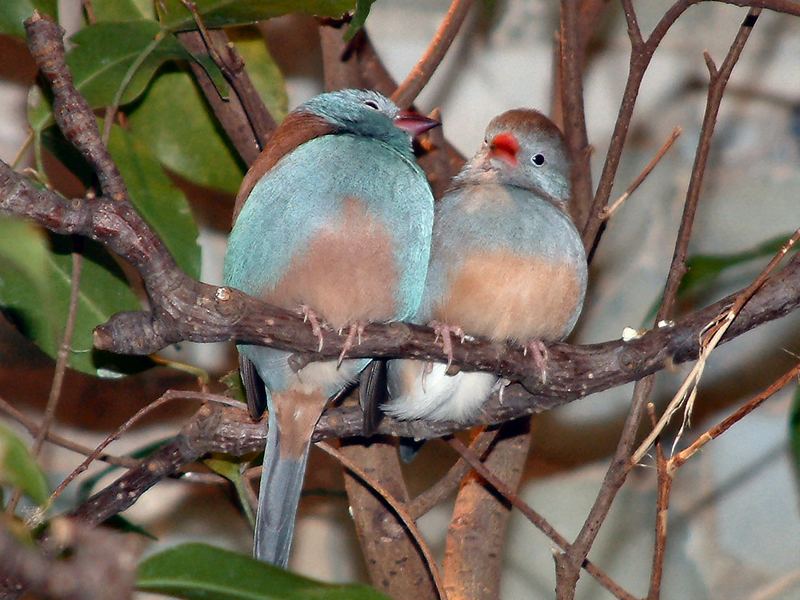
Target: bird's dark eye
[371, 104]
[537, 159]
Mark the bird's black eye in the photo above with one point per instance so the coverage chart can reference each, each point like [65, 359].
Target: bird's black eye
[537, 159]
[372, 104]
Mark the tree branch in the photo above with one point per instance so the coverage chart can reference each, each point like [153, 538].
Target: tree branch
[568, 563]
[574, 116]
[74, 563]
[420, 75]
[184, 309]
[473, 558]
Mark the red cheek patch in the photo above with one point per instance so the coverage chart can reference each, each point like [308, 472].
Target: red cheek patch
[505, 147]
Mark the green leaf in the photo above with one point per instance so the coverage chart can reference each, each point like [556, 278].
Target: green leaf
[157, 199]
[111, 56]
[232, 381]
[115, 62]
[185, 135]
[104, 291]
[25, 286]
[152, 192]
[23, 246]
[359, 17]
[233, 471]
[19, 469]
[703, 270]
[198, 571]
[123, 10]
[224, 13]
[39, 305]
[263, 70]
[794, 430]
[14, 12]
[124, 525]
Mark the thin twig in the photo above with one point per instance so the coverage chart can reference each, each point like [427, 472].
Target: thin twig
[662, 515]
[609, 211]
[777, 588]
[449, 483]
[418, 78]
[397, 507]
[33, 428]
[716, 329]
[568, 564]
[62, 361]
[232, 66]
[163, 399]
[534, 517]
[641, 53]
[572, 108]
[717, 430]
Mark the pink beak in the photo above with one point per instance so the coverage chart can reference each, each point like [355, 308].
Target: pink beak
[414, 123]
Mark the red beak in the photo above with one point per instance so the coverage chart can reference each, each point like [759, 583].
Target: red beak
[505, 147]
[414, 123]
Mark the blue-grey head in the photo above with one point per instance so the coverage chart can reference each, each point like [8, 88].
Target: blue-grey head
[370, 114]
[523, 148]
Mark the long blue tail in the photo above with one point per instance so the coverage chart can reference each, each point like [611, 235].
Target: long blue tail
[279, 495]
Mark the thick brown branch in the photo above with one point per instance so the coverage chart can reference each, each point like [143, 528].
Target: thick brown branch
[473, 558]
[228, 430]
[534, 517]
[184, 309]
[70, 109]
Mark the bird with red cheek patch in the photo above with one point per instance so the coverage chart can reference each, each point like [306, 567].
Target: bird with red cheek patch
[507, 263]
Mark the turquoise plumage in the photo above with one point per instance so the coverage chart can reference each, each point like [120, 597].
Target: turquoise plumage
[506, 263]
[337, 219]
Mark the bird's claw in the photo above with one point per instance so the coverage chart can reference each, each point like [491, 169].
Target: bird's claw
[355, 331]
[309, 316]
[539, 355]
[444, 331]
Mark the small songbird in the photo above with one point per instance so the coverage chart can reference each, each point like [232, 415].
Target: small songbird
[507, 263]
[335, 216]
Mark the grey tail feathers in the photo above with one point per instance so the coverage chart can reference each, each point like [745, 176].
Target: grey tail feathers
[279, 495]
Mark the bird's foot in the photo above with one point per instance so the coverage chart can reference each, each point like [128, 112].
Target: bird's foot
[539, 354]
[500, 387]
[355, 331]
[444, 331]
[310, 316]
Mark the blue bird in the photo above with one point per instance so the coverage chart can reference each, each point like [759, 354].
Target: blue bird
[506, 263]
[335, 217]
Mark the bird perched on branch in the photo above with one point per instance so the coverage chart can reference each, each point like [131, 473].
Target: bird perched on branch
[506, 263]
[335, 216]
